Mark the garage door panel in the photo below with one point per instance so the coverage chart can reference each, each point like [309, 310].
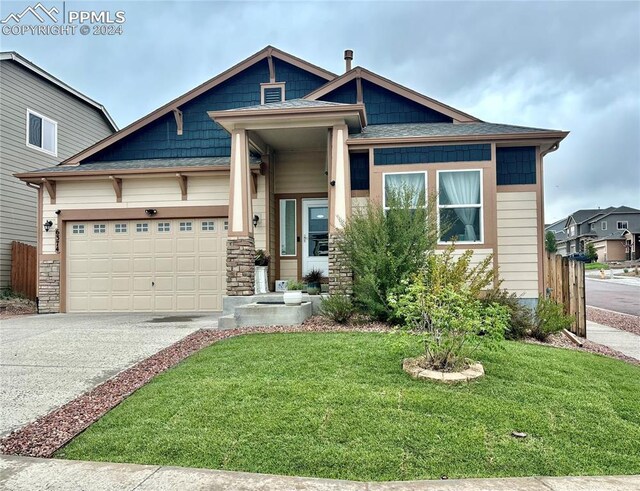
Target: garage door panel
[186, 303]
[186, 264]
[186, 284]
[121, 246]
[77, 266]
[164, 245]
[100, 302]
[142, 265]
[100, 284]
[142, 303]
[99, 266]
[185, 245]
[99, 246]
[77, 285]
[164, 265]
[121, 303]
[208, 264]
[78, 302]
[121, 265]
[142, 246]
[121, 284]
[142, 284]
[164, 284]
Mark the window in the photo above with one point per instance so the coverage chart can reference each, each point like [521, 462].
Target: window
[42, 133]
[142, 227]
[460, 205]
[209, 226]
[164, 226]
[572, 230]
[593, 226]
[100, 228]
[410, 182]
[226, 225]
[185, 226]
[77, 229]
[622, 225]
[288, 227]
[271, 92]
[121, 228]
[603, 225]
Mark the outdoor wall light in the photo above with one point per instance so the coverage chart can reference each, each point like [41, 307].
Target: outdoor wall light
[47, 225]
[333, 183]
[151, 211]
[256, 219]
[58, 212]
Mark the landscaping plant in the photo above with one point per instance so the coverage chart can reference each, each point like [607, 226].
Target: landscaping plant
[550, 242]
[293, 285]
[520, 316]
[591, 252]
[261, 258]
[337, 308]
[549, 319]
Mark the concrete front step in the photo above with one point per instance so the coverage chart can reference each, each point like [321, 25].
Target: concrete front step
[266, 310]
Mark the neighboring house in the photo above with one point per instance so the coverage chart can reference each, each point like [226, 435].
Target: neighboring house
[43, 120]
[614, 231]
[273, 154]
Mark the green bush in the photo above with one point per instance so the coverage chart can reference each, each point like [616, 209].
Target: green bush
[549, 319]
[591, 252]
[293, 285]
[520, 316]
[385, 247]
[338, 308]
[550, 242]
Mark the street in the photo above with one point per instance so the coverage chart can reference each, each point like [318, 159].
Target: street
[613, 296]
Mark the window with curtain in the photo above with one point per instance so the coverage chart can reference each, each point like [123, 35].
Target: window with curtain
[414, 183]
[460, 205]
[42, 132]
[287, 227]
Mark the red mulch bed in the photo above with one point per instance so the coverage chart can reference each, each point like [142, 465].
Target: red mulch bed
[626, 322]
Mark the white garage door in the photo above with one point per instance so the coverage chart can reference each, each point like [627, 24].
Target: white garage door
[146, 265]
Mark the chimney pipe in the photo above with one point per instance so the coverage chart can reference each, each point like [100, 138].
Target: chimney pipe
[348, 57]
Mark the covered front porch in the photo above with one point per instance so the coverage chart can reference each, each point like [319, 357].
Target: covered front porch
[302, 196]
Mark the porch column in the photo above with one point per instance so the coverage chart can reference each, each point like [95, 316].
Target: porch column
[340, 275]
[240, 243]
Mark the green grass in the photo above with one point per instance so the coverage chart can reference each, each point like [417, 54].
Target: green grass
[596, 266]
[340, 406]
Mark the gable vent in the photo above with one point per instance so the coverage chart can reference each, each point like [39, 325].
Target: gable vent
[272, 92]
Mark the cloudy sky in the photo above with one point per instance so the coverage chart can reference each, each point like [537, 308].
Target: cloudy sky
[562, 65]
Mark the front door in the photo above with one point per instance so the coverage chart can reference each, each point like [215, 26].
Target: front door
[315, 236]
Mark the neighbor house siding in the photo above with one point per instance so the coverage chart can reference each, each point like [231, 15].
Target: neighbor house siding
[518, 242]
[79, 126]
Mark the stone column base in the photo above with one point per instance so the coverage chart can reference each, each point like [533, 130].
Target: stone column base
[340, 275]
[240, 266]
[49, 287]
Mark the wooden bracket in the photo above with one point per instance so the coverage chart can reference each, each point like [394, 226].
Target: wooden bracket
[254, 185]
[182, 181]
[177, 113]
[272, 70]
[359, 90]
[117, 187]
[51, 189]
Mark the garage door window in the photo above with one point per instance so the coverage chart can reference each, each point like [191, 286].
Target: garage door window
[142, 227]
[186, 227]
[77, 229]
[208, 226]
[121, 228]
[226, 225]
[164, 227]
[100, 228]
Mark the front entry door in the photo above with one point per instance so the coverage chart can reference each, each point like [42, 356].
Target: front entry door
[315, 236]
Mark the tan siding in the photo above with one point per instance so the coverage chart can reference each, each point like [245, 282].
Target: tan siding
[259, 208]
[300, 172]
[517, 242]
[288, 269]
[358, 204]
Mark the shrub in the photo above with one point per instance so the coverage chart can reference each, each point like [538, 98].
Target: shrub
[550, 242]
[261, 258]
[293, 285]
[520, 316]
[338, 308]
[549, 319]
[385, 247]
[591, 252]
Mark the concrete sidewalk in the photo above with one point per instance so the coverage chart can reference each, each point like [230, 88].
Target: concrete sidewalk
[26, 473]
[617, 339]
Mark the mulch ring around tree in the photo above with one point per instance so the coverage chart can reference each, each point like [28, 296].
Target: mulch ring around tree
[44, 436]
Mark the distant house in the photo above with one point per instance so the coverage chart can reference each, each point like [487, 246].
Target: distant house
[614, 231]
[273, 154]
[43, 121]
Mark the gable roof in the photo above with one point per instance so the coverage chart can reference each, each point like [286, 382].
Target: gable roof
[359, 72]
[264, 53]
[21, 60]
[612, 210]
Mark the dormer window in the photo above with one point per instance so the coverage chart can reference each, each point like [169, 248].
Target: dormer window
[272, 92]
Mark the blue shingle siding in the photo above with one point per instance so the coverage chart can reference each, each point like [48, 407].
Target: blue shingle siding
[298, 81]
[516, 165]
[345, 94]
[429, 155]
[359, 163]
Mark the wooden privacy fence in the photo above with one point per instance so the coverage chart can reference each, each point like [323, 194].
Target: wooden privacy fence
[24, 267]
[564, 282]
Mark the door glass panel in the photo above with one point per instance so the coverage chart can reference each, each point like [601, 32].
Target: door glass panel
[318, 242]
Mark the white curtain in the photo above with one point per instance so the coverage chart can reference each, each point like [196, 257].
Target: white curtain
[463, 188]
[399, 183]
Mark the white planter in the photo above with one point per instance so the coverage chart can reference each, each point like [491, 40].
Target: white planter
[261, 284]
[293, 297]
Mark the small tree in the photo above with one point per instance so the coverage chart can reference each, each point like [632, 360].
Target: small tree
[591, 252]
[550, 243]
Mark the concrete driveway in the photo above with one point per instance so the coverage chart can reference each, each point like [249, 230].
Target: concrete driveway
[47, 360]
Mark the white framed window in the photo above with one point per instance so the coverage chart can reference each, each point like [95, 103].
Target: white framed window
[208, 226]
[272, 92]
[164, 226]
[99, 228]
[288, 237]
[572, 230]
[186, 226]
[603, 225]
[77, 229]
[622, 225]
[226, 225]
[593, 226]
[42, 133]
[142, 227]
[413, 182]
[460, 206]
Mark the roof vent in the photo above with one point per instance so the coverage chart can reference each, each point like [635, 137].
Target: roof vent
[348, 57]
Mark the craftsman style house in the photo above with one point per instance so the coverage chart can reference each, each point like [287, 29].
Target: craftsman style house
[273, 154]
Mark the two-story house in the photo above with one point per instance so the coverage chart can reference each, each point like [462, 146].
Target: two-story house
[42, 121]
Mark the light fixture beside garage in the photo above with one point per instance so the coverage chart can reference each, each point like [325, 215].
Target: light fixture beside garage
[47, 225]
[256, 219]
[151, 212]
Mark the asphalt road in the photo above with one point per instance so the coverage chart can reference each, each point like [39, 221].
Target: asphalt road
[613, 296]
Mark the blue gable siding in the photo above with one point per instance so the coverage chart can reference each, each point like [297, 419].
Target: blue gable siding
[516, 165]
[359, 165]
[298, 81]
[345, 94]
[429, 155]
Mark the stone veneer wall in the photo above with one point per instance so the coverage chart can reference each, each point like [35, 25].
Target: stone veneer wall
[240, 266]
[340, 275]
[49, 287]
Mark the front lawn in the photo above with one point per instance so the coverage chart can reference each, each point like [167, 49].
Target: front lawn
[339, 406]
[591, 266]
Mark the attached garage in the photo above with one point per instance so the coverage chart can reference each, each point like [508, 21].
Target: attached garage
[161, 265]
